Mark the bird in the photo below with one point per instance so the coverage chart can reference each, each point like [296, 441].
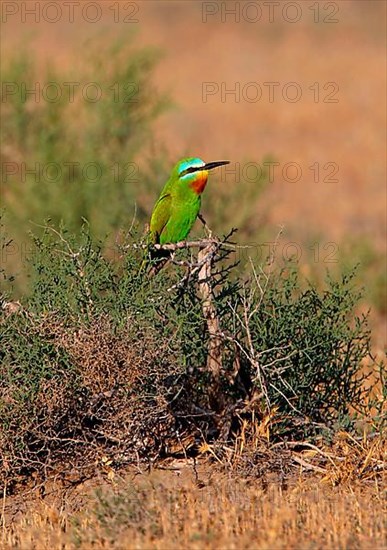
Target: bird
[177, 208]
[179, 203]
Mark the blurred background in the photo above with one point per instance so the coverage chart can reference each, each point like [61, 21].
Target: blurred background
[99, 101]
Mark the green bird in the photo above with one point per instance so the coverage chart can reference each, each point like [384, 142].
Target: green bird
[178, 206]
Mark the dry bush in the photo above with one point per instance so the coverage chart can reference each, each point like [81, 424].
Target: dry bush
[112, 402]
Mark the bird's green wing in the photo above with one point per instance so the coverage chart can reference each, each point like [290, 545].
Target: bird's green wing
[160, 216]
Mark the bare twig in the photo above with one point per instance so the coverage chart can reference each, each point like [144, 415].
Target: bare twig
[186, 244]
[307, 465]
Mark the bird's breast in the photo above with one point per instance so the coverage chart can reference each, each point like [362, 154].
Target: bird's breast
[199, 182]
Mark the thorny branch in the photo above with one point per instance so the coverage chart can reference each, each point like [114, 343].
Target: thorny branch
[75, 256]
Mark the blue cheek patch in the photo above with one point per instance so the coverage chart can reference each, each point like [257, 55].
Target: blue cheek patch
[189, 177]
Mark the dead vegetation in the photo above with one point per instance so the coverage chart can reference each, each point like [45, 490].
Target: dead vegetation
[170, 509]
[113, 399]
[347, 459]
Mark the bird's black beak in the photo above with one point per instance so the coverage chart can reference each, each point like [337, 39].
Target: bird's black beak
[215, 164]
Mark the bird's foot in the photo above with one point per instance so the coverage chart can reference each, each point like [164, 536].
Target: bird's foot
[207, 229]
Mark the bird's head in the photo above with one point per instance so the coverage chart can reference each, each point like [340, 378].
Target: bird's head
[194, 172]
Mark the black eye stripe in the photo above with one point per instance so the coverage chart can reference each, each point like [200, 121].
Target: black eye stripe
[191, 170]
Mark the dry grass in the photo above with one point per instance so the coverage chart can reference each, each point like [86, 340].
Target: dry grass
[168, 509]
[348, 459]
[251, 498]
